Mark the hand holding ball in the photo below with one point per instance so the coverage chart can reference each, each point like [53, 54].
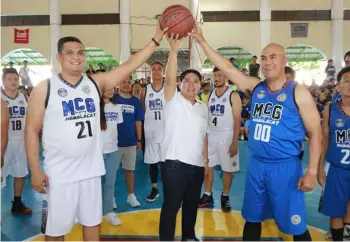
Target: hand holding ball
[178, 19]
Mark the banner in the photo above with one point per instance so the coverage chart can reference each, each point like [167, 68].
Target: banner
[21, 36]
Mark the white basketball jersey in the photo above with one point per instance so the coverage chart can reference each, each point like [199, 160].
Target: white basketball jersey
[114, 116]
[154, 118]
[17, 111]
[71, 131]
[220, 111]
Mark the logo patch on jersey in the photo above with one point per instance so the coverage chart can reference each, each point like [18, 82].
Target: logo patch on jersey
[150, 95]
[224, 99]
[261, 94]
[296, 219]
[213, 100]
[21, 102]
[62, 92]
[86, 89]
[282, 97]
[339, 123]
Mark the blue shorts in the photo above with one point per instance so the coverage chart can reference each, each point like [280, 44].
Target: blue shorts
[271, 192]
[336, 193]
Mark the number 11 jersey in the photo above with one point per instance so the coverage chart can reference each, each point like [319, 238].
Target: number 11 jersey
[71, 138]
[276, 130]
[154, 118]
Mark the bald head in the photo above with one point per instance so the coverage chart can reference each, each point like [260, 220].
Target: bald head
[273, 61]
[274, 48]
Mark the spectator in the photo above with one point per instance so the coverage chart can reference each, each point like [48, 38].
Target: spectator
[254, 67]
[24, 74]
[330, 70]
[232, 60]
[90, 71]
[129, 135]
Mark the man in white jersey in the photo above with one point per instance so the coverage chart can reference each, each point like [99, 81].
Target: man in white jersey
[68, 108]
[152, 100]
[225, 108]
[15, 160]
[5, 121]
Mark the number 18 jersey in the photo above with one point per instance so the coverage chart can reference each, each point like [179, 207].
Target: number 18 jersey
[154, 118]
[71, 138]
[339, 137]
[17, 108]
[276, 130]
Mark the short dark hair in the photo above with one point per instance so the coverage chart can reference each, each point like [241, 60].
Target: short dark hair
[188, 71]
[346, 55]
[289, 70]
[232, 58]
[342, 72]
[216, 69]
[157, 63]
[330, 60]
[254, 56]
[9, 71]
[67, 39]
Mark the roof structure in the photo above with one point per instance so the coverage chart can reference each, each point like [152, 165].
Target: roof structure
[94, 56]
[298, 53]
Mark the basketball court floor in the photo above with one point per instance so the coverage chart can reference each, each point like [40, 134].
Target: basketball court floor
[142, 223]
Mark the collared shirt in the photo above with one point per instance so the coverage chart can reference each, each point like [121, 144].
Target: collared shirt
[185, 128]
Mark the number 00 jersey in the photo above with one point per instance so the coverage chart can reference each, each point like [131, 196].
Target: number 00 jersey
[154, 124]
[17, 111]
[71, 131]
[220, 111]
[339, 137]
[276, 130]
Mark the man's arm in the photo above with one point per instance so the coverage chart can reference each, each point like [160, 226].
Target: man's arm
[321, 175]
[142, 99]
[236, 113]
[111, 79]
[312, 123]
[5, 122]
[244, 83]
[171, 69]
[34, 121]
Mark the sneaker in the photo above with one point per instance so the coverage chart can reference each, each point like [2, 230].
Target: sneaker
[225, 203]
[153, 195]
[114, 204]
[19, 207]
[206, 200]
[328, 236]
[113, 219]
[133, 201]
[346, 235]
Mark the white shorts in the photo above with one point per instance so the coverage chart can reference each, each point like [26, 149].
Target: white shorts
[152, 153]
[66, 204]
[15, 160]
[218, 151]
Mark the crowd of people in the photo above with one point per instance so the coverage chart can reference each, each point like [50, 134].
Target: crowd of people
[185, 127]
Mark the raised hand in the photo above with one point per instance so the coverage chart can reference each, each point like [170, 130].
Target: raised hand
[160, 33]
[174, 43]
[197, 34]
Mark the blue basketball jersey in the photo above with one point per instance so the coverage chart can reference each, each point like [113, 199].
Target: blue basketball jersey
[336, 97]
[276, 129]
[339, 137]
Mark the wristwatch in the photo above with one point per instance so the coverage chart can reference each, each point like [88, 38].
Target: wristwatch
[139, 141]
[206, 160]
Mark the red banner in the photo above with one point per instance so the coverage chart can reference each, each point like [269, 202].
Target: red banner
[21, 36]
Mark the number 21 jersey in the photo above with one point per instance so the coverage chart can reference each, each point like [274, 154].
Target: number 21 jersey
[72, 139]
[154, 117]
[276, 130]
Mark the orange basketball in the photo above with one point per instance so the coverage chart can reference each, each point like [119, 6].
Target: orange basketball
[178, 19]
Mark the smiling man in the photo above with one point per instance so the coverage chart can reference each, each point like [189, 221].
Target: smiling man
[67, 106]
[282, 111]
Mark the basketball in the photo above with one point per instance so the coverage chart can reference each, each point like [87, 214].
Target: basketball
[178, 19]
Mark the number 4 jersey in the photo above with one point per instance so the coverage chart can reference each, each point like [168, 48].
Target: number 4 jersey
[154, 123]
[339, 137]
[17, 111]
[276, 130]
[71, 138]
